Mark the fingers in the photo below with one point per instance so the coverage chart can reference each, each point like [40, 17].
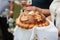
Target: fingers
[28, 8]
[33, 8]
[59, 32]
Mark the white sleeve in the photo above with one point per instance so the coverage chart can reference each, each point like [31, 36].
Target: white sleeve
[29, 1]
[17, 2]
[53, 7]
[33, 34]
[58, 10]
[58, 17]
[15, 33]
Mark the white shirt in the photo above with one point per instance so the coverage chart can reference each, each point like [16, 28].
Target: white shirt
[55, 10]
[22, 34]
[45, 33]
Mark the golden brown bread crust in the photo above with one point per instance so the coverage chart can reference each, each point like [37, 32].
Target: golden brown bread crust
[29, 26]
[26, 26]
[44, 23]
[28, 21]
[34, 18]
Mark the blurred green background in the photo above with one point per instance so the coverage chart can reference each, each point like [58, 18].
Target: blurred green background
[17, 9]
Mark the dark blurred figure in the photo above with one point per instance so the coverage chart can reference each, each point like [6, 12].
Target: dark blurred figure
[6, 11]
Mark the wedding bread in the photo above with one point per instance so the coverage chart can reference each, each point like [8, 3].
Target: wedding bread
[30, 19]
